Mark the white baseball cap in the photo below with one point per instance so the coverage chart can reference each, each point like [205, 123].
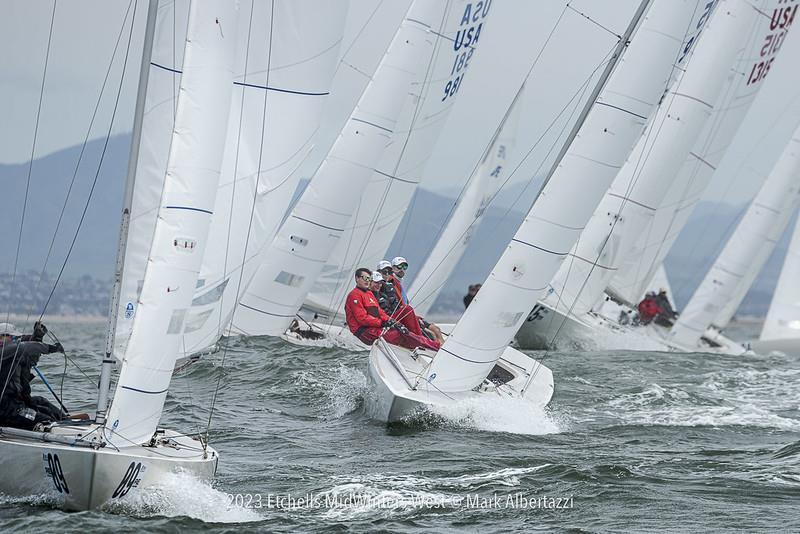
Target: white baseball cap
[377, 277]
[399, 260]
[384, 264]
[9, 330]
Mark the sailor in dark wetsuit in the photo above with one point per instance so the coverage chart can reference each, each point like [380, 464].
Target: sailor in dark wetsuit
[18, 356]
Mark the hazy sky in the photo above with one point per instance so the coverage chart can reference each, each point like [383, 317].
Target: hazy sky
[85, 32]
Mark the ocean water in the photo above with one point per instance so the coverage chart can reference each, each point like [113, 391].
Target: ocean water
[632, 441]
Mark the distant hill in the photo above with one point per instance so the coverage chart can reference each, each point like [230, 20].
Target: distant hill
[95, 248]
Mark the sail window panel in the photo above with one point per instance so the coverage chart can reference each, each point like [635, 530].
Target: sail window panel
[289, 279]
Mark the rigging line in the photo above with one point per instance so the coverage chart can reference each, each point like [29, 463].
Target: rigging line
[590, 19]
[99, 166]
[252, 215]
[377, 212]
[33, 153]
[80, 156]
[356, 38]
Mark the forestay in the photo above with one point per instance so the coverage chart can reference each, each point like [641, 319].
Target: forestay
[577, 181]
[455, 238]
[629, 205]
[783, 317]
[735, 269]
[389, 192]
[150, 162]
[760, 46]
[187, 200]
[307, 238]
[286, 55]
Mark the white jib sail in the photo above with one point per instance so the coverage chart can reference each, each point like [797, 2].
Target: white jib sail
[466, 217]
[764, 222]
[286, 55]
[783, 317]
[549, 230]
[158, 121]
[390, 190]
[180, 234]
[307, 238]
[628, 206]
[761, 44]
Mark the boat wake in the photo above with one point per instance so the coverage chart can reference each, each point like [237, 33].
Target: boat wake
[182, 495]
[514, 416]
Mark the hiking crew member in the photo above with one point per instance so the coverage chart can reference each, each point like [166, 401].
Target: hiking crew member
[18, 355]
[366, 320]
[399, 268]
[648, 308]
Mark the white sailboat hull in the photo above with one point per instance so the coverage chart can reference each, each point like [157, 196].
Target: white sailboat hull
[546, 329]
[789, 346]
[84, 478]
[329, 336]
[400, 390]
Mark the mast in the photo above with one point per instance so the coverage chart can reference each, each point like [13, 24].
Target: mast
[144, 70]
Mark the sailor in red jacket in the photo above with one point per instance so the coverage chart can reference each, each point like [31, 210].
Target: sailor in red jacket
[648, 308]
[366, 320]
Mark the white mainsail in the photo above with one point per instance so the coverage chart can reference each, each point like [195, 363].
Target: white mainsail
[483, 185]
[783, 317]
[629, 205]
[286, 55]
[734, 270]
[184, 212]
[309, 235]
[760, 46]
[581, 175]
[158, 121]
[386, 198]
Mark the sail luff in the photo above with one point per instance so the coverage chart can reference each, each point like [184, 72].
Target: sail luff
[180, 234]
[127, 202]
[734, 269]
[548, 231]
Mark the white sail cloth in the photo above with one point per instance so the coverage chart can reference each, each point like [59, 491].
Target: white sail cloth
[760, 46]
[286, 54]
[607, 136]
[629, 205]
[187, 201]
[783, 317]
[309, 235]
[390, 190]
[482, 186]
[734, 270]
[163, 83]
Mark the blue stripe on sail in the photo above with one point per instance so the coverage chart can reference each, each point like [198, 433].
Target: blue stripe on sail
[166, 68]
[276, 89]
[189, 208]
[145, 391]
[462, 358]
[372, 124]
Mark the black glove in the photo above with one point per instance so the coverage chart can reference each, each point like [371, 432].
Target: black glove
[403, 329]
[58, 347]
[39, 330]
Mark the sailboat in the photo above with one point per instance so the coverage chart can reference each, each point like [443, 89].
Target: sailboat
[476, 361]
[123, 448]
[648, 204]
[781, 328]
[722, 290]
